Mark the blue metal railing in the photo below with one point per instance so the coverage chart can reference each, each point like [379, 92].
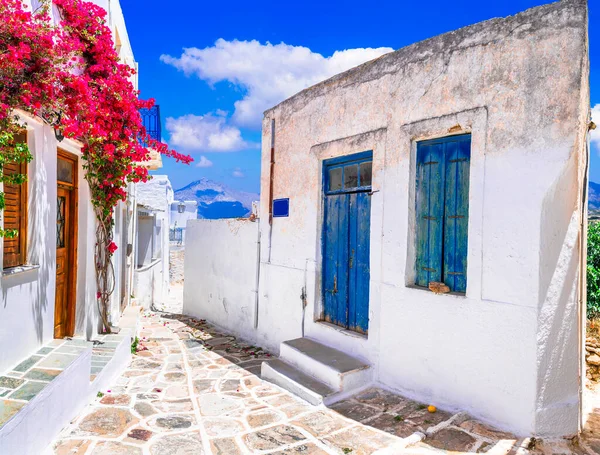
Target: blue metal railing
[151, 121]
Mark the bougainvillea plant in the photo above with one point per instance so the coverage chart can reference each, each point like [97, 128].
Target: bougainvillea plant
[99, 107]
[28, 80]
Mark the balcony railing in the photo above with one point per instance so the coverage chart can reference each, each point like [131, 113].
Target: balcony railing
[151, 121]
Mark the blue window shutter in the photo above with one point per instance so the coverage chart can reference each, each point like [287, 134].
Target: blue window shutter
[456, 213]
[429, 212]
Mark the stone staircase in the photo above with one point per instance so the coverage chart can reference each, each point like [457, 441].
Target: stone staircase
[315, 372]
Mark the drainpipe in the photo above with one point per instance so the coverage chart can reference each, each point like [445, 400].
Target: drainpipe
[271, 180]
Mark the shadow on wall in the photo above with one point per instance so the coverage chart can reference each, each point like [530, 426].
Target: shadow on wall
[41, 219]
[558, 353]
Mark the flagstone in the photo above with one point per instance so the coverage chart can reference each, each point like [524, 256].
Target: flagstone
[118, 400]
[8, 409]
[40, 374]
[72, 447]
[27, 363]
[394, 424]
[144, 409]
[110, 422]
[147, 396]
[10, 383]
[452, 439]
[177, 391]
[214, 405]
[184, 405]
[320, 423]
[355, 411]
[295, 409]
[222, 427]
[174, 422]
[178, 444]
[137, 435]
[302, 449]
[359, 440]
[28, 391]
[204, 385]
[115, 448]
[273, 438]
[225, 447]
[57, 361]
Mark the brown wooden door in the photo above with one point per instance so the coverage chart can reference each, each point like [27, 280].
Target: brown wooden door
[61, 311]
[66, 245]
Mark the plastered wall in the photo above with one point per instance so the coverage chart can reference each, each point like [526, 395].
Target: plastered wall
[507, 351]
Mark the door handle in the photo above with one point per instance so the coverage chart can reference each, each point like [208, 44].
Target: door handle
[334, 285]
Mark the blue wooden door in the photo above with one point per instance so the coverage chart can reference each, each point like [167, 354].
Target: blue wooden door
[346, 241]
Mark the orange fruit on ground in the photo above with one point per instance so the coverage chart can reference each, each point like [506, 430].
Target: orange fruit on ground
[431, 408]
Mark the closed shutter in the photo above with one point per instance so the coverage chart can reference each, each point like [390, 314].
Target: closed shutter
[442, 211]
[429, 212]
[456, 216]
[15, 216]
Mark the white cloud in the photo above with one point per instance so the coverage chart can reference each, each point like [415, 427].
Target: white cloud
[595, 134]
[205, 133]
[204, 162]
[268, 73]
[238, 172]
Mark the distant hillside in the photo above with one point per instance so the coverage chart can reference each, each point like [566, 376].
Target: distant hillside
[216, 200]
[594, 198]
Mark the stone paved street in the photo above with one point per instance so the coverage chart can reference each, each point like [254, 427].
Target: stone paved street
[193, 390]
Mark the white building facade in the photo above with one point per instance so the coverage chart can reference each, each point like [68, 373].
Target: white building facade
[48, 282]
[460, 160]
[153, 201]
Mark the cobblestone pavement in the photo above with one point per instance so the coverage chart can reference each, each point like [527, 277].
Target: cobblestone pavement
[192, 390]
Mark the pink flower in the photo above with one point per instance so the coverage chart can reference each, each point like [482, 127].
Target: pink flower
[112, 247]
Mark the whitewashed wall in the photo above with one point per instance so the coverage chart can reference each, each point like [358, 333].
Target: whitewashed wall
[508, 350]
[27, 297]
[151, 276]
[221, 258]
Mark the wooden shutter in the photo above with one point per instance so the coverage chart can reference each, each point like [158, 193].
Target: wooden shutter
[429, 212]
[456, 213]
[15, 215]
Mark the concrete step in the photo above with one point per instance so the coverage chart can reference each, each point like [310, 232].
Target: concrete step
[338, 370]
[293, 380]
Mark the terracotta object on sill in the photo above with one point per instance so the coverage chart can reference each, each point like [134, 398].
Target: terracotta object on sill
[438, 288]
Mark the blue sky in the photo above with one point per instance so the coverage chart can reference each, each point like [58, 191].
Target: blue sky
[212, 95]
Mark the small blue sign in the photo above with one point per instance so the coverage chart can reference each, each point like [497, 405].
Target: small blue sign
[281, 208]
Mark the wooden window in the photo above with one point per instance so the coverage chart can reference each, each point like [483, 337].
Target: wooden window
[442, 211]
[15, 214]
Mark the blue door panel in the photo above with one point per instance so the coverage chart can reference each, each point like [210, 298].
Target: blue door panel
[333, 207]
[346, 249]
[360, 238]
[342, 240]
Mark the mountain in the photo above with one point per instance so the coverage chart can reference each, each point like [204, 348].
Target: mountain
[594, 197]
[217, 200]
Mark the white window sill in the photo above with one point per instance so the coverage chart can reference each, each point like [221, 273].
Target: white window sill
[143, 268]
[10, 271]
[450, 294]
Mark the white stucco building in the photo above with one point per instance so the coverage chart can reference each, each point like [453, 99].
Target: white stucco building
[48, 284]
[181, 213]
[153, 201]
[461, 159]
